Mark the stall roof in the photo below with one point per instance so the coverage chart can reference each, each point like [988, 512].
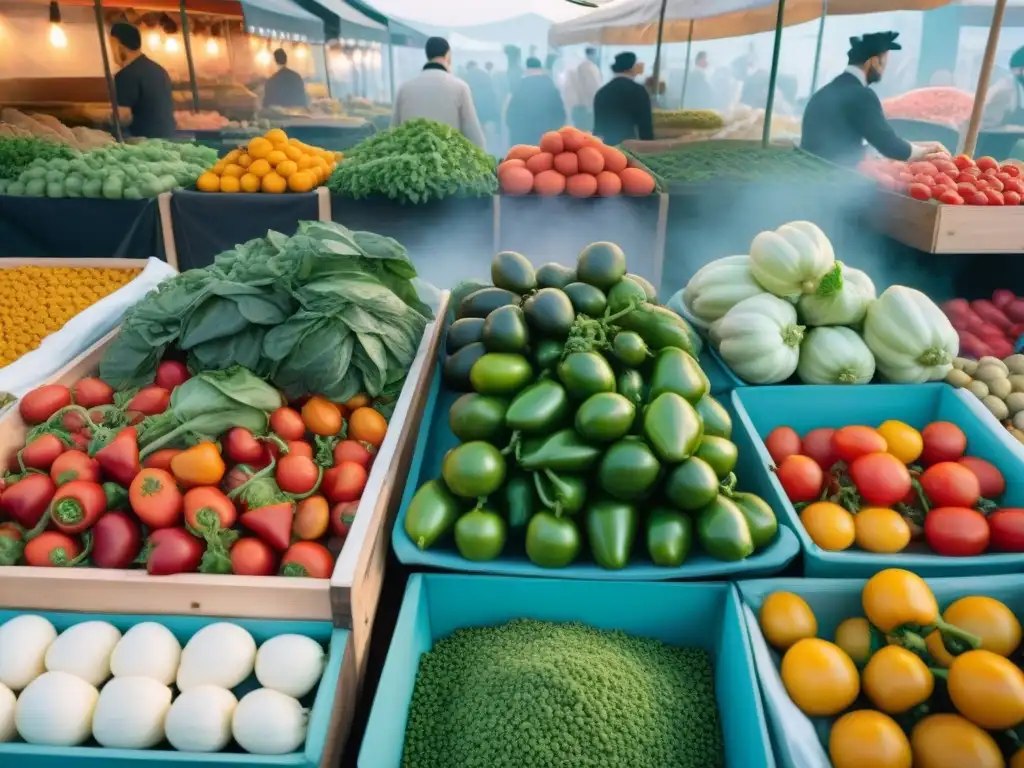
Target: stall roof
[277, 18]
[399, 32]
[341, 20]
[636, 22]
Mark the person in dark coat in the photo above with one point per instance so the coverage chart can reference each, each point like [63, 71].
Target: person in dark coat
[622, 107]
[845, 114]
[484, 98]
[536, 105]
[285, 87]
[142, 85]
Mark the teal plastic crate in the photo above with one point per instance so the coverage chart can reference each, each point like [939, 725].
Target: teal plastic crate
[800, 741]
[436, 439]
[18, 754]
[759, 410]
[723, 380]
[985, 416]
[695, 615]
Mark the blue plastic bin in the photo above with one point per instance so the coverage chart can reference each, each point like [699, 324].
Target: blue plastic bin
[436, 439]
[759, 410]
[321, 702]
[695, 615]
[800, 741]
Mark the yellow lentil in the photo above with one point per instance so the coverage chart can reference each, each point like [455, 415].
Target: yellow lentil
[38, 301]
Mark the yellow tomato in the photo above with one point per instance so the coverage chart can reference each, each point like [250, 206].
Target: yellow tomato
[244, 160]
[896, 680]
[950, 741]
[868, 739]
[905, 442]
[232, 156]
[854, 637]
[937, 649]
[786, 618]
[988, 619]
[276, 157]
[250, 182]
[286, 168]
[819, 677]
[234, 170]
[292, 153]
[987, 689]
[881, 530]
[300, 181]
[895, 597]
[830, 526]
[208, 182]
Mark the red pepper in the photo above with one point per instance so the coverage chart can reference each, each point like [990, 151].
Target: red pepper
[119, 459]
[77, 505]
[172, 550]
[272, 523]
[26, 501]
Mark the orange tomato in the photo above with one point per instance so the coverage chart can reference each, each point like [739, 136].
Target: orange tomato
[311, 518]
[155, 498]
[321, 416]
[208, 509]
[361, 400]
[199, 465]
[367, 426]
[300, 448]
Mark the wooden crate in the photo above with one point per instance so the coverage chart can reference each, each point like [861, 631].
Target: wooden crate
[935, 228]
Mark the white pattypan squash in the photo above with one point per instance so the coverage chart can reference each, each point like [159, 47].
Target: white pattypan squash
[718, 287]
[790, 261]
[835, 356]
[910, 337]
[759, 339]
[842, 298]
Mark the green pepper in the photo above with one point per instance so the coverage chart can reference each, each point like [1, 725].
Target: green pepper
[564, 451]
[760, 518]
[723, 531]
[676, 371]
[717, 420]
[585, 374]
[567, 493]
[472, 470]
[117, 496]
[480, 535]
[478, 417]
[625, 292]
[539, 409]
[431, 514]
[691, 485]
[628, 469]
[520, 499]
[630, 349]
[630, 385]
[672, 427]
[659, 327]
[551, 541]
[546, 353]
[669, 537]
[500, 373]
[605, 417]
[611, 530]
[720, 453]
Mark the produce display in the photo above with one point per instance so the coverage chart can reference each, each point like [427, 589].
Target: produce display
[687, 120]
[789, 307]
[569, 161]
[697, 162]
[747, 124]
[936, 104]
[880, 488]
[957, 181]
[999, 384]
[38, 301]
[987, 328]
[509, 696]
[270, 163]
[205, 120]
[586, 414]
[18, 154]
[15, 124]
[416, 162]
[904, 684]
[93, 686]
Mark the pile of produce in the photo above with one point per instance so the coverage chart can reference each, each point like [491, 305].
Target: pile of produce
[92, 686]
[999, 384]
[532, 693]
[17, 155]
[417, 162]
[790, 307]
[908, 684]
[116, 172]
[17, 124]
[959, 181]
[271, 163]
[38, 301]
[687, 120]
[204, 120]
[747, 124]
[880, 488]
[936, 104]
[586, 415]
[987, 328]
[697, 163]
[569, 161]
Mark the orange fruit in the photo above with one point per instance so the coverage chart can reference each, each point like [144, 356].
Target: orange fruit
[260, 147]
[233, 169]
[219, 168]
[276, 157]
[229, 183]
[339, 156]
[208, 182]
[304, 162]
[273, 184]
[232, 156]
[286, 168]
[279, 146]
[250, 182]
[259, 167]
[292, 153]
[318, 175]
[275, 135]
[244, 160]
[301, 181]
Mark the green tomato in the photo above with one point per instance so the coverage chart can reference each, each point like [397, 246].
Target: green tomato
[474, 469]
[552, 542]
[480, 535]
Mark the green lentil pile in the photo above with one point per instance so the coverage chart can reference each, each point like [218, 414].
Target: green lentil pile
[695, 163]
[541, 695]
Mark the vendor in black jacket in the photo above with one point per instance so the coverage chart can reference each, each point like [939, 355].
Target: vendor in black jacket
[845, 114]
[622, 107]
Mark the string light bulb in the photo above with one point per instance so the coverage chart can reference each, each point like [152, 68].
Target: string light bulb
[212, 49]
[58, 39]
[357, 56]
[263, 57]
[153, 41]
[171, 45]
[300, 52]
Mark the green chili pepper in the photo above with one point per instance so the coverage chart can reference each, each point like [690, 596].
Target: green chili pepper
[660, 327]
[431, 514]
[760, 518]
[539, 409]
[520, 500]
[564, 451]
[723, 531]
[677, 371]
[611, 530]
[672, 427]
[669, 537]
[563, 495]
[630, 385]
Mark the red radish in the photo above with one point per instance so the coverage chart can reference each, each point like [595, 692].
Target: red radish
[117, 541]
[173, 550]
[273, 523]
[990, 313]
[1015, 310]
[171, 373]
[972, 346]
[251, 557]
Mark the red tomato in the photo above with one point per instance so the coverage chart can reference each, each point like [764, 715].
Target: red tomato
[287, 424]
[74, 465]
[991, 483]
[42, 452]
[1007, 530]
[171, 373]
[300, 448]
[949, 197]
[155, 498]
[982, 183]
[241, 447]
[27, 500]
[855, 441]
[965, 188]
[963, 161]
[252, 557]
[956, 531]
[150, 401]
[994, 197]
[91, 392]
[309, 559]
[345, 482]
[42, 402]
[173, 550]
[208, 509]
[801, 478]
[994, 183]
[1011, 170]
[987, 163]
[1011, 197]
[948, 484]
[973, 172]
[296, 474]
[945, 180]
[161, 459]
[919, 190]
[782, 442]
[976, 198]
[117, 541]
[1014, 185]
[353, 450]
[53, 548]
[925, 178]
[818, 445]
[943, 441]
[881, 479]
[342, 517]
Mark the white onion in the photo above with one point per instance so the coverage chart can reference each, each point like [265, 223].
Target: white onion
[84, 650]
[55, 710]
[147, 650]
[199, 720]
[7, 706]
[291, 664]
[267, 722]
[220, 654]
[24, 641]
[130, 713]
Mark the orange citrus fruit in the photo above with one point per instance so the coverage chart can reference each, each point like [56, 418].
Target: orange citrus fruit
[208, 182]
[304, 162]
[232, 156]
[260, 147]
[250, 183]
[219, 168]
[292, 153]
[273, 184]
[276, 157]
[259, 167]
[244, 160]
[233, 169]
[301, 181]
[275, 135]
[229, 184]
[286, 168]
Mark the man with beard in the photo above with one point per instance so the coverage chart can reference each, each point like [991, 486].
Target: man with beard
[143, 86]
[845, 114]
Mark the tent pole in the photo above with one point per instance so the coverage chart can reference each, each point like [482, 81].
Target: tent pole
[657, 49]
[817, 47]
[391, 65]
[686, 69]
[981, 93]
[766, 133]
[108, 75]
[188, 57]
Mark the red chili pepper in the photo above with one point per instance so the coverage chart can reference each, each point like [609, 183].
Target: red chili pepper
[26, 501]
[77, 505]
[119, 459]
[272, 523]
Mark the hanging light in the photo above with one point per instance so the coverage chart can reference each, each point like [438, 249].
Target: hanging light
[153, 41]
[57, 37]
[171, 45]
[357, 56]
[212, 49]
[300, 52]
[263, 57]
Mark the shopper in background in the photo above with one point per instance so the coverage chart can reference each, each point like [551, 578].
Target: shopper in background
[285, 87]
[484, 98]
[142, 85]
[582, 84]
[436, 94]
[1005, 105]
[698, 93]
[535, 107]
[622, 107]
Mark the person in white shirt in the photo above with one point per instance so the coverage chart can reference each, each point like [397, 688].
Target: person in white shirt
[582, 84]
[436, 94]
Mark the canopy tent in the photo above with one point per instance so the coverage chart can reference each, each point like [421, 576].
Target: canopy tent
[399, 33]
[460, 42]
[281, 19]
[460, 13]
[341, 20]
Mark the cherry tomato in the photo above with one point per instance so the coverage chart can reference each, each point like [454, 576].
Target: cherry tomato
[321, 416]
[855, 441]
[367, 426]
[344, 482]
[865, 737]
[91, 392]
[782, 442]
[956, 531]
[312, 517]
[991, 482]
[252, 557]
[171, 373]
[155, 498]
[42, 402]
[854, 636]
[881, 530]
[287, 424]
[1006, 527]
[296, 474]
[943, 441]
[948, 484]
[881, 479]
[351, 450]
[241, 447]
[801, 478]
[818, 445]
[309, 559]
[902, 440]
[830, 526]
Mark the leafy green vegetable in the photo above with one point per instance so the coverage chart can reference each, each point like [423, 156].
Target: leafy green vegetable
[695, 162]
[417, 162]
[17, 154]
